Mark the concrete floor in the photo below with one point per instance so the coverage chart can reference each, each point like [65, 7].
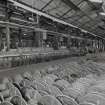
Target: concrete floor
[19, 70]
[10, 72]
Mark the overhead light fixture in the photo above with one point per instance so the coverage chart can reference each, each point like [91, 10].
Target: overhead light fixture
[96, 1]
[102, 13]
[31, 19]
[25, 34]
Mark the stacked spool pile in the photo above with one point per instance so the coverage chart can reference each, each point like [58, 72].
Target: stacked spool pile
[73, 83]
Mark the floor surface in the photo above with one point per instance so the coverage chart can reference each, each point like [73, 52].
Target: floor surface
[19, 70]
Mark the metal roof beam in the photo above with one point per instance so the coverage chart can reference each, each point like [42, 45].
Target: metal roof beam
[96, 24]
[74, 16]
[82, 15]
[69, 10]
[76, 20]
[70, 4]
[77, 8]
[46, 5]
[45, 15]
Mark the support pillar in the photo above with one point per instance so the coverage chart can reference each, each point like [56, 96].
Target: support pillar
[44, 38]
[8, 37]
[33, 39]
[20, 38]
[98, 45]
[8, 14]
[104, 45]
[69, 42]
[38, 39]
[1, 46]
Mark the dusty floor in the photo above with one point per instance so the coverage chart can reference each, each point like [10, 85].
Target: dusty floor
[19, 70]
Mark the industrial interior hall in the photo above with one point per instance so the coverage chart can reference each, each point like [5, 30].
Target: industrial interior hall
[52, 52]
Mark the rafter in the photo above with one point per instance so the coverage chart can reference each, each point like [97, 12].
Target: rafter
[36, 11]
[46, 5]
[77, 8]
[73, 16]
[95, 24]
[76, 20]
[69, 10]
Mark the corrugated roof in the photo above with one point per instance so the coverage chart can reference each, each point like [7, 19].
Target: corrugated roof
[82, 13]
